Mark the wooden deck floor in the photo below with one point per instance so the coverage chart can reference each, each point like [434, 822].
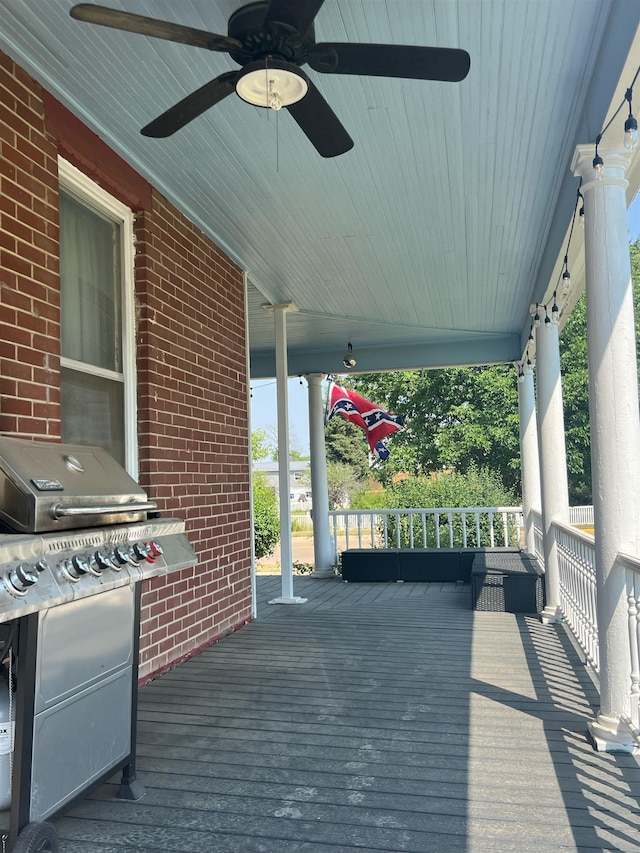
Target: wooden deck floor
[373, 718]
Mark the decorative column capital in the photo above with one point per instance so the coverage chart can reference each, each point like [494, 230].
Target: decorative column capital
[281, 307]
[617, 160]
[315, 378]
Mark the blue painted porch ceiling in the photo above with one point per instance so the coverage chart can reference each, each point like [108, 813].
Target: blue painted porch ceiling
[423, 245]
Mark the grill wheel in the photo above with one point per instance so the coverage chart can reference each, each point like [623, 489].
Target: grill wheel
[37, 838]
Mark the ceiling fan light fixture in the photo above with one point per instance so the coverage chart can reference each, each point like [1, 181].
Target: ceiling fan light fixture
[271, 83]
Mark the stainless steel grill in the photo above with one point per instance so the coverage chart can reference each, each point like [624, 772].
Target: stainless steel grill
[46, 486]
[79, 535]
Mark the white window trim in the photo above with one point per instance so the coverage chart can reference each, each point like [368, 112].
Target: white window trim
[74, 182]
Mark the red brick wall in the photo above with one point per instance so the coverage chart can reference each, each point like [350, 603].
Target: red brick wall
[29, 278]
[192, 390]
[193, 427]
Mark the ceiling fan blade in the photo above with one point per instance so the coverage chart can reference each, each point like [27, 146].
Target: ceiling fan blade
[389, 60]
[299, 14]
[106, 17]
[192, 106]
[320, 124]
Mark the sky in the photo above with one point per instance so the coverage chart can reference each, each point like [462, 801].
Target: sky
[264, 413]
[263, 392]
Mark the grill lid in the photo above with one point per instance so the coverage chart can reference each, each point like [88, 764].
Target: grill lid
[49, 486]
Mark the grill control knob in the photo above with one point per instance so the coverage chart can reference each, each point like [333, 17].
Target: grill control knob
[141, 552]
[20, 578]
[74, 568]
[80, 564]
[41, 565]
[155, 548]
[98, 563]
[120, 557]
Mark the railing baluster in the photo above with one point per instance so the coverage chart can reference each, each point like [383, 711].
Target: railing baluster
[437, 518]
[478, 542]
[333, 520]
[464, 528]
[450, 520]
[632, 601]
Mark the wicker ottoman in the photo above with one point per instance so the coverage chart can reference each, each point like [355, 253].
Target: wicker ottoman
[507, 582]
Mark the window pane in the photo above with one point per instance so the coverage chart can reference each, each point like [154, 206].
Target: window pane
[90, 286]
[93, 410]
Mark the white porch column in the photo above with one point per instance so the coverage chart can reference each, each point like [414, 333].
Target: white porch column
[322, 550]
[553, 459]
[615, 426]
[529, 459]
[284, 476]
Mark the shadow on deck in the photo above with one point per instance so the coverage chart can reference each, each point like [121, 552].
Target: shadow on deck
[383, 717]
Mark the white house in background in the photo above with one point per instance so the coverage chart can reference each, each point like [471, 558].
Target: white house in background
[299, 480]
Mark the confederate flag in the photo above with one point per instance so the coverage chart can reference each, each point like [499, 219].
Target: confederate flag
[367, 415]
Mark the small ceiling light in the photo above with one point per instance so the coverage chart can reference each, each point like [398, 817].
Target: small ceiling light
[547, 319]
[349, 361]
[631, 133]
[555, 311]
[630, 125]
[536, 319]
[272, 83]
[566, 276]
[598, 162]
[520, 373]
[531, 335]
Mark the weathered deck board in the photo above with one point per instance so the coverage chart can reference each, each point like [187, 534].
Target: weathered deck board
[383, 717]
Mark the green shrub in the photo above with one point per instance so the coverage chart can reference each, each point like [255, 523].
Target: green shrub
[367, 499]
[266, 517]
[302, 568]
[478, 487]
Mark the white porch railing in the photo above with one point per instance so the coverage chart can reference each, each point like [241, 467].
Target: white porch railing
[576, 564]
[632, 571]
[577, 568]
[442, 527]
[581, 515]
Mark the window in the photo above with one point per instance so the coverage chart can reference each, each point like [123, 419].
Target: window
[98, 386]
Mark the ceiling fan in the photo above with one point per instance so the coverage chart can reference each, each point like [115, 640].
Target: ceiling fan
[271, 40]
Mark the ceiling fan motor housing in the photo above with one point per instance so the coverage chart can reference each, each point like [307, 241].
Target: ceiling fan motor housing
[279, 40]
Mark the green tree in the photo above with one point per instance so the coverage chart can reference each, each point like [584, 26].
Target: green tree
[270, 441]
[342, 481]
[454, 418]
[575, 394]
[266, 516]
[261, 445]
[346, 444]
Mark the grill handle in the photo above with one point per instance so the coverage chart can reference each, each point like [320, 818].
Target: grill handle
[59, 511]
